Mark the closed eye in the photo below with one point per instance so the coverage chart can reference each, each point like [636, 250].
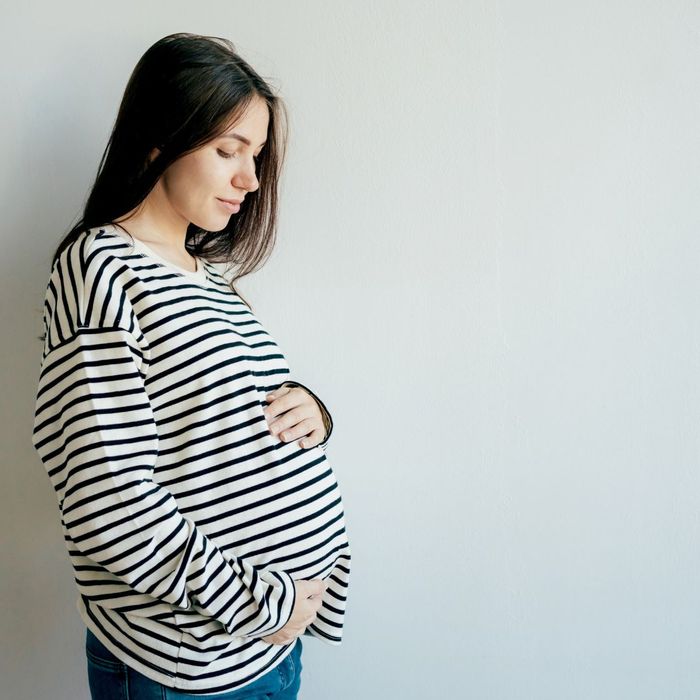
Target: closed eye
[223, 154]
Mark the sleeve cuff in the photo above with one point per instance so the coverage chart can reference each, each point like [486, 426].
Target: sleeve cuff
[285, 603]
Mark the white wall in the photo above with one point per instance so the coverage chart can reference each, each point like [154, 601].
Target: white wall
[488, 268]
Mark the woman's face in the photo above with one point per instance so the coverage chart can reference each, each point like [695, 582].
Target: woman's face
[224, 168]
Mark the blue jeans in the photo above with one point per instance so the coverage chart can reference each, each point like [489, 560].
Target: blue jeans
[112, 679]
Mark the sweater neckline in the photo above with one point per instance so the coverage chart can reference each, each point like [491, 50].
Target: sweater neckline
[199, 276]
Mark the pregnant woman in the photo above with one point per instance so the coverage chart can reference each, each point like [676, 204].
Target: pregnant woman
[202, 518]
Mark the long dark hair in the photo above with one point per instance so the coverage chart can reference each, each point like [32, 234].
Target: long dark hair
[184, 91]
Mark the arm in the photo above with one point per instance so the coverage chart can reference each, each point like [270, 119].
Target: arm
[96, 434]
[327, 419]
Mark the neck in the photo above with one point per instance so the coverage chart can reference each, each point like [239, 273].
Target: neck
[155, 221]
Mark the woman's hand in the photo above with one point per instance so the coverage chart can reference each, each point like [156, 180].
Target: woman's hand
[293, 413]
[309, 598]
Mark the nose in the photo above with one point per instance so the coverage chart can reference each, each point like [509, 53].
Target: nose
[245, 178]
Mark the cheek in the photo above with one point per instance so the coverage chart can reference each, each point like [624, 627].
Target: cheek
[195, 184]
[211, 177]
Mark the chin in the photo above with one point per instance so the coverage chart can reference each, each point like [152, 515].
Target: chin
[221, 227]
[214, 224]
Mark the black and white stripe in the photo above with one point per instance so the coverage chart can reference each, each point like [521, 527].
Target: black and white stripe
[185, 519]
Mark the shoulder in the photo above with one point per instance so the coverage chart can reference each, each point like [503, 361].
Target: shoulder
[84, 258]
[86, 288]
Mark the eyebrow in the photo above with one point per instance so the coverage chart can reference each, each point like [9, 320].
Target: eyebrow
[238, 137]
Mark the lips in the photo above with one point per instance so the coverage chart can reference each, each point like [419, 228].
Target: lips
[232, 206]
[231, 201]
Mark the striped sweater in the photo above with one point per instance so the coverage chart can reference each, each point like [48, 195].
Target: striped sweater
[186, 520]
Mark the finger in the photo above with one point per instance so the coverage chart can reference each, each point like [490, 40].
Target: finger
[281, 408]
[285, 421]
[276, 404]
[280, 391]
[315, 437]
[293, 397]
[298, 429]
[285, 398]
